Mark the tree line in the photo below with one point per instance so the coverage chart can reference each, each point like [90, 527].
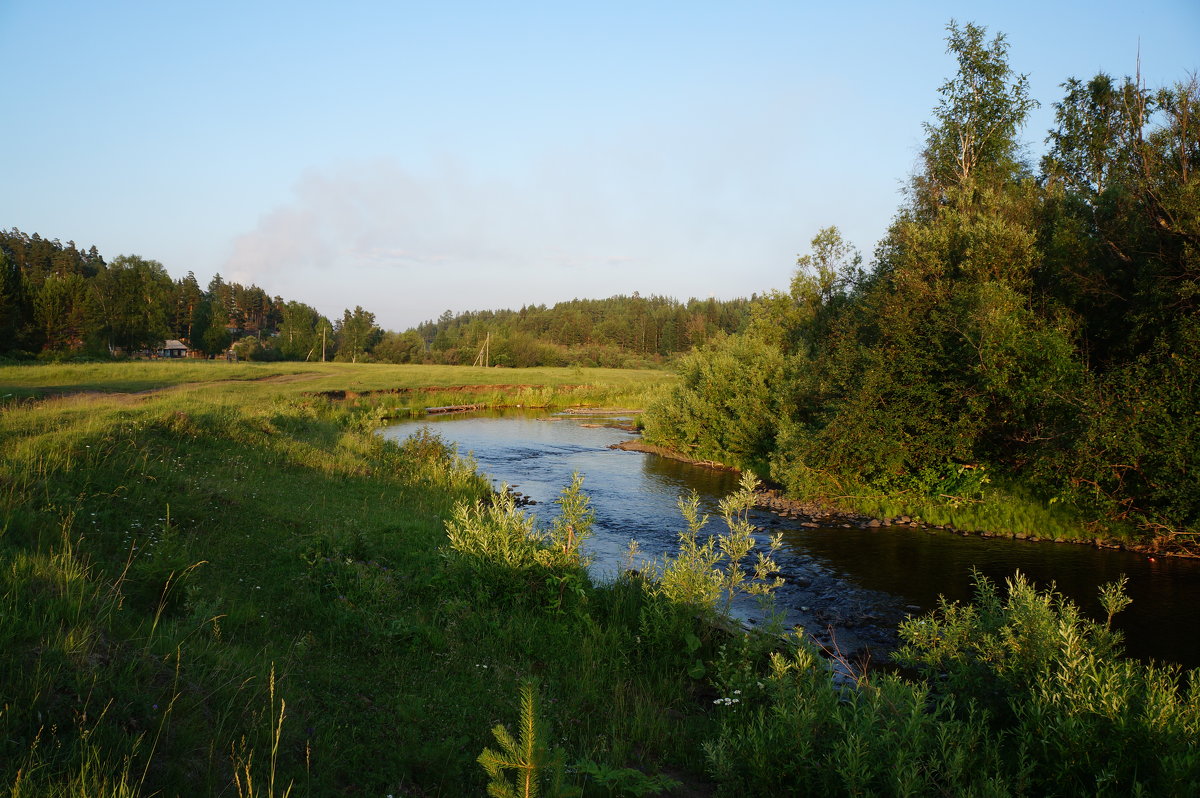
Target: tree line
[1035, 325]
[57, 300]
[615, 332]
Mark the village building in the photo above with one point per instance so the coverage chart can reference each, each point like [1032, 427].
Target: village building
[173, 349]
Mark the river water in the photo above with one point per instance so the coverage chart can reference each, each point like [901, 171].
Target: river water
[846, 587]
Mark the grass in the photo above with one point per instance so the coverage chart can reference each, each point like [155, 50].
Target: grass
[1005, 510]
[162, 554]
[291, 379]
[230, 585]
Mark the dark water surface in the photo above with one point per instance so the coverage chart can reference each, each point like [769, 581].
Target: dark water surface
[848, 586]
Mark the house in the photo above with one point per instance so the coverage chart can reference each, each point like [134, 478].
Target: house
[173, 348]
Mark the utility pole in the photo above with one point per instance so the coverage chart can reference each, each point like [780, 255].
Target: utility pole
[485, 353]
[322, 343]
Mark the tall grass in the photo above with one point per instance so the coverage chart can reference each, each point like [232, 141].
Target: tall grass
[293, 379]
[237, 586]
[182, 540]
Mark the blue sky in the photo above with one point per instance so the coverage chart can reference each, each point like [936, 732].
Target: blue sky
[413, 157]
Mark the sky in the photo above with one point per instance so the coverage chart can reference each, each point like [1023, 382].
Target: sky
[417, 157]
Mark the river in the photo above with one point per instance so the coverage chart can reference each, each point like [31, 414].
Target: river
[846, 587]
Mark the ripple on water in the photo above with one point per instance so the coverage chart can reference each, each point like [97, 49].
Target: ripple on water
[856, 582]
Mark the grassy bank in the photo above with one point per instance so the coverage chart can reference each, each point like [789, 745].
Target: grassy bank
[275, 380]
[218, 580]
[165, 552]
[1003, 507]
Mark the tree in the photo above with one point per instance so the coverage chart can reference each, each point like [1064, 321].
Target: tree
[199, 324]
[130, 297]
[187, 296]
[406, 347]
[831, 269]
[216, 338]
[60, 309]
[356, 334]
[12, 303]
[300, 331]
[1089, 148]
[972, 139]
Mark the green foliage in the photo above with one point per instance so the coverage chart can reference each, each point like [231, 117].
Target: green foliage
[1087, 721]
[998, 647]
[1138, 454]
[619, 331]
[624, 782]
[1040, 332]
[784, 722]
[130, 669]
[982, 108]
[1022, 697]
[724, 403]
[43, 309]
[573, 525]
[707, 575]
[129, 297]
[1114, 598]
[538, 770]
[499, 532]
[356, 334]
[496, 531]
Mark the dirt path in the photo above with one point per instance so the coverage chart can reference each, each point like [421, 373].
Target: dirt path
[135, 396]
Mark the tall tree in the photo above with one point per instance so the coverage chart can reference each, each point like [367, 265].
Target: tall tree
[187, 296]
[973, 136]
[130, 297]
[356, 334]
[12, 303]
[299, 332]
[60, 308]
[217, 337]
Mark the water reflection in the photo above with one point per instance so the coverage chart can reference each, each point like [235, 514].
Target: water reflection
[918, 566]
[837, 577]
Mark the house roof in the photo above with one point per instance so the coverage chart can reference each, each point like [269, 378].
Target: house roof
[173, 344]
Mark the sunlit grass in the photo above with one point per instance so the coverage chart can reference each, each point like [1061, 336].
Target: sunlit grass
[161, 552]
[290, 379]
[238, 585]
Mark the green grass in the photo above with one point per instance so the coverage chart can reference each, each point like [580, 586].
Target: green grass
[1006, 510]
[163, 553]
[290, 379]
[231, 586]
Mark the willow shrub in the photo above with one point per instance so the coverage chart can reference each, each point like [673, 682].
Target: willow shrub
[508, 549]
[1074, 715]
[1020, 695]
[706, 575]
[727, 403]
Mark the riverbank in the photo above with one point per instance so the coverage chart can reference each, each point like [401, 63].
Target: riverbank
[236, 579]
[177, 564]
[828, 514]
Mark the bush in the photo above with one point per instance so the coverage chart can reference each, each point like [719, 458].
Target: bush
[1021, 696]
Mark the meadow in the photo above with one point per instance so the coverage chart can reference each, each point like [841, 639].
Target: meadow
[216, 579]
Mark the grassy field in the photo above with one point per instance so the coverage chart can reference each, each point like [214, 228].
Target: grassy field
[215, 579]
[174, 533]
[282, 380]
